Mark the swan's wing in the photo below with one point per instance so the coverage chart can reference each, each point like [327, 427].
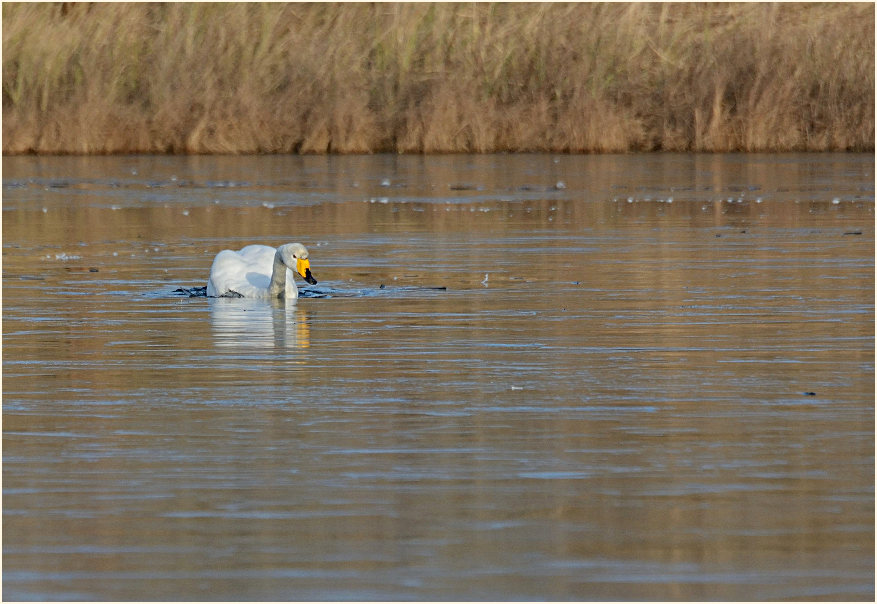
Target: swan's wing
[259, 256]
[247, 272]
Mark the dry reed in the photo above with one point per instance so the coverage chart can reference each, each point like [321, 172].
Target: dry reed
[422, 77]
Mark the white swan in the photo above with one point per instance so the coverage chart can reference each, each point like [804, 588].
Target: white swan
[259, 271]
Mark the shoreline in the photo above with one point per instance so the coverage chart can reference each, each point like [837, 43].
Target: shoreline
[426, 78]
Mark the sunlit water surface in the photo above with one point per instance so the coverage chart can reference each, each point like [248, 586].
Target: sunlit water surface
[648, 377]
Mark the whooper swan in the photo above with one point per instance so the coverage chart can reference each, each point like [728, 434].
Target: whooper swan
[259, 271]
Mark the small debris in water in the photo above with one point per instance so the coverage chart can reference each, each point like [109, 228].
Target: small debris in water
[853, 233]
[65, 256]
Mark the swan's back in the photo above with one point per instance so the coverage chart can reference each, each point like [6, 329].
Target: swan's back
[246, 272]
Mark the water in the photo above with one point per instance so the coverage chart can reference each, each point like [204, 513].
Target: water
[648, 377]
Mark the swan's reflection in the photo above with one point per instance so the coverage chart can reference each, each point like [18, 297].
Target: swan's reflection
[253, 323]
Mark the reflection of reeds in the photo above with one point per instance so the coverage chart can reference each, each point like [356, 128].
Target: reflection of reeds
[316, 78]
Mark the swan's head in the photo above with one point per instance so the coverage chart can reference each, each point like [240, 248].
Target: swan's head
[295, 256]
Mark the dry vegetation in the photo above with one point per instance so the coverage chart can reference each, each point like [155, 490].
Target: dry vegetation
[422, 77]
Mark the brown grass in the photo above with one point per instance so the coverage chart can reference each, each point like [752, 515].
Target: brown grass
[421, 77]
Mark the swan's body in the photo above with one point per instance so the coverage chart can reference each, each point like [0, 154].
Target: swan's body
[259, 271]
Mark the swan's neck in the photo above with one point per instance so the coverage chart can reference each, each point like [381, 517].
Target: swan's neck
[277, 288]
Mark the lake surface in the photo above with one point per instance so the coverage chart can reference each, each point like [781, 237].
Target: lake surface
[647, 377]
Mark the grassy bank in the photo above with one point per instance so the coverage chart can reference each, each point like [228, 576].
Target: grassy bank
[421, 77]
